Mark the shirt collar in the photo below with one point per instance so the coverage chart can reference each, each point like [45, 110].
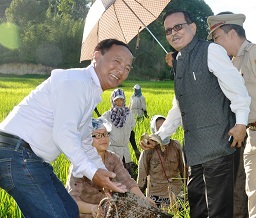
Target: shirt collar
[242, 48]
[94, 76]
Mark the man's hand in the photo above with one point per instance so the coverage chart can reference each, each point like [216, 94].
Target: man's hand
[149, 141]
[238, 132]
[169, 59]
[146, 114]
[102, 178]
[146, 143]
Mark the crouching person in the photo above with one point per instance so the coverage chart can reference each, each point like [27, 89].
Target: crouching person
[87, 194]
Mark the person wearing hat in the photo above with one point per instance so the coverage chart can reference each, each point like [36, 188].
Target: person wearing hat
[123, 122]
[227, 30]
[138, 103]
[88, 194]
[161, 169]
[211, 103]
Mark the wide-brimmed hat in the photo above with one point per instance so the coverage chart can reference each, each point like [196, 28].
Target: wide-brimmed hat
[217, 21]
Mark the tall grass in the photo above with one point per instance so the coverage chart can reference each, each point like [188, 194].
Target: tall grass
[158, 96]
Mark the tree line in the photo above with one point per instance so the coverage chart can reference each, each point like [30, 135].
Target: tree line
[49, 32]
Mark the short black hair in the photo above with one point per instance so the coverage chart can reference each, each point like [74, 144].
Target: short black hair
[188, 17]
[104, 45]
[227, 27]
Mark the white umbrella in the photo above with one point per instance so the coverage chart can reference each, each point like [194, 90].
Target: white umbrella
[119, 19]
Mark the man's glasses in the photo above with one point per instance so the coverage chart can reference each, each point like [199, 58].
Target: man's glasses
[177, 28]
[100, 135]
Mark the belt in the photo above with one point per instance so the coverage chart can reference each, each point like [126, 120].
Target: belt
[13, 140]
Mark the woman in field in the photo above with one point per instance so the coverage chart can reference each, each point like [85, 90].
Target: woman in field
[84, 191]
[162, 169]
[123, 122]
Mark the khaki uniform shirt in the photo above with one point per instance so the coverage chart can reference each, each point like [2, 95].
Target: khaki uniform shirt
[245, 62]
[153, 161]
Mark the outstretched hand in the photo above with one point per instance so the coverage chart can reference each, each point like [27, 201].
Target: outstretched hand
[102, 178]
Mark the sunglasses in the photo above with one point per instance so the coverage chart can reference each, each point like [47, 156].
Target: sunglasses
[176, 28]
[100, 135]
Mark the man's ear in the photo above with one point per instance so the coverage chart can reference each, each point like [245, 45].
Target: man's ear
[232, 33]
[193, 27]
[96, 55]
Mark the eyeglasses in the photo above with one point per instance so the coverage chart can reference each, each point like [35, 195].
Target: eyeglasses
[100, 135]
[176, 28]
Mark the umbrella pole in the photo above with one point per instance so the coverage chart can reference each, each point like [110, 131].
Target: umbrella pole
[145, 26]
[156, 39]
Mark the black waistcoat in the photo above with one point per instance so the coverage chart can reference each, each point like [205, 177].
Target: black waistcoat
[205, 110]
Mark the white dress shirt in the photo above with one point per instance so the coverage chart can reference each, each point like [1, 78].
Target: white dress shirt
[56, 117]
[231, 83]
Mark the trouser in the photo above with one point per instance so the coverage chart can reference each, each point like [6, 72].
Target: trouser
[210, 188]
[250, 171]
[32, 183]
[240, 198]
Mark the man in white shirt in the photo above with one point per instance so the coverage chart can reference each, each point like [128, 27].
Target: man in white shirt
[56, 118]
[211, 103]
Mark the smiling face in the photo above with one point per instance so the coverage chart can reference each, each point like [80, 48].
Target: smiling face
[101, 144]
[113, 67]
[179, 39]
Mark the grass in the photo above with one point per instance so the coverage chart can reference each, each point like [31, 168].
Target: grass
[158, 94]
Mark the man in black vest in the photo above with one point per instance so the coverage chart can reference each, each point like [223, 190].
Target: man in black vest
[211, 103]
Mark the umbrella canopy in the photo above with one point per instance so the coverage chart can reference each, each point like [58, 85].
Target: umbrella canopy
[119, 19]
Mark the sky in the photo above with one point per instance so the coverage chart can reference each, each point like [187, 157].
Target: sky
[246, 7]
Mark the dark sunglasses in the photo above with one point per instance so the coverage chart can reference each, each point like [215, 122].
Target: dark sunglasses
[176, 28]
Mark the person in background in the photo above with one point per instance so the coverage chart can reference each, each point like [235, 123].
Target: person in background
[88, 194]
[123, 123]
[161, 169]
[210, 109]
[138, 104]
[56, 118]
[227, 30]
